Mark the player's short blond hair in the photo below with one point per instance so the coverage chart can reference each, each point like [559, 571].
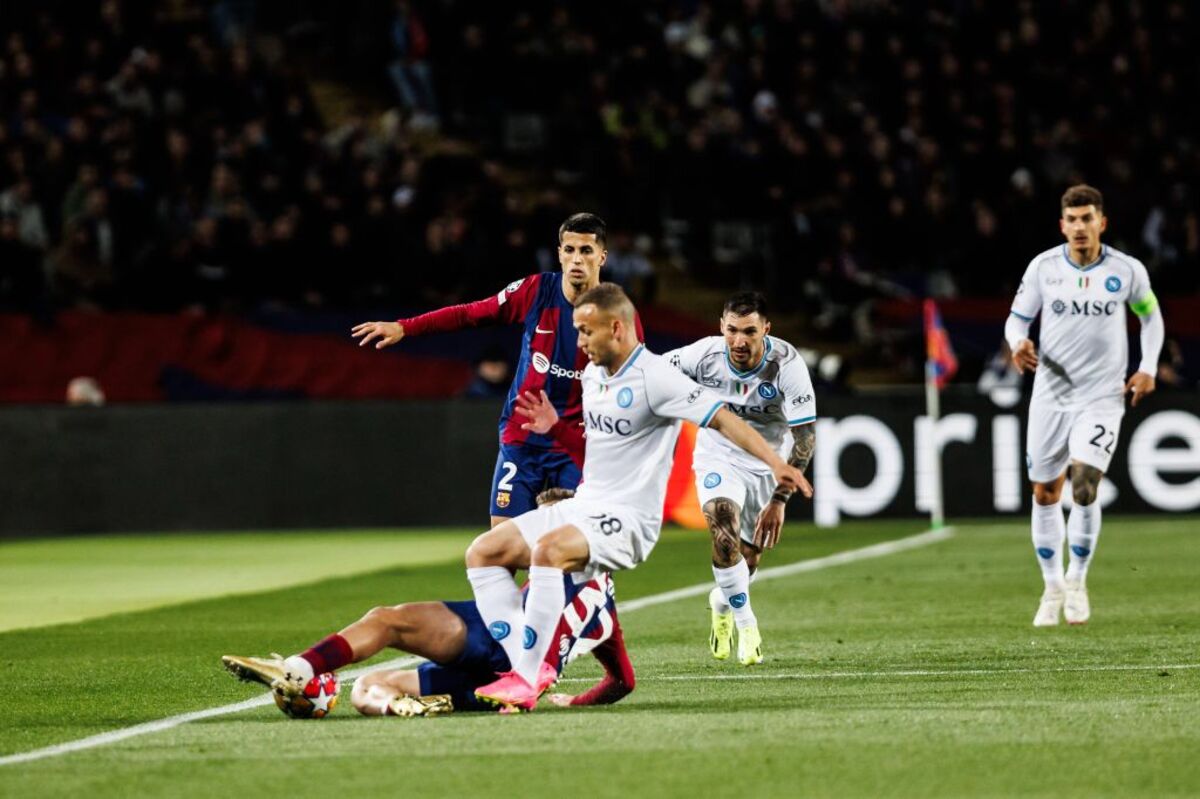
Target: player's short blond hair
[1082, 194]
[609, 298]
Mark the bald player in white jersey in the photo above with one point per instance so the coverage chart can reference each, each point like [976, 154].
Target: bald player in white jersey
[633, 405]
[1080, 288]
[763, 380]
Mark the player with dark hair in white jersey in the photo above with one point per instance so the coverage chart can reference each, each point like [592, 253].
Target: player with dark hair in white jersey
[633, 405]
[763, 380]
[1079, 387]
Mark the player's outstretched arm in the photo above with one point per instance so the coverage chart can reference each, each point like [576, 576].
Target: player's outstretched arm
[770, 518]
[729, 425]
[508, 306]
[384, 334]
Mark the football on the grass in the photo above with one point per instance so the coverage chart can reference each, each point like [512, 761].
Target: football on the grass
[316, 701]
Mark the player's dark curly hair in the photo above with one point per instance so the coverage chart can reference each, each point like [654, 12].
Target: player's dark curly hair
[585, 223]
[745, 303]
[1082, 194]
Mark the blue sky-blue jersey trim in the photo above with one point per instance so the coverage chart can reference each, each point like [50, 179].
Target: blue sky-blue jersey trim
[632, 357]
[743, 375]
[1021, 316]
[805, 420]
[1066, 254]
[711, 413]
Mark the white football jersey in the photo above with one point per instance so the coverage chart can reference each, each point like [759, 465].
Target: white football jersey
[773, 397]
[1083, 348]
[632, 419]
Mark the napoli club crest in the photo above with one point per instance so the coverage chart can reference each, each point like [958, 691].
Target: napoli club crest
[625, 397]
[1113, 284]
[767, 391]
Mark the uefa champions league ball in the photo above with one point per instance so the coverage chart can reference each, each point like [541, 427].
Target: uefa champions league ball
[316, 701]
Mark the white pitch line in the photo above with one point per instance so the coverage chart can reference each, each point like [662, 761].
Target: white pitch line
[113, 736]
[837, 559]
[838, 675]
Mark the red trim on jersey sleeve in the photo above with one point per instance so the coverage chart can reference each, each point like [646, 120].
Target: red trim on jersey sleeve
[619, 679]
[508, 306]
[637, 326]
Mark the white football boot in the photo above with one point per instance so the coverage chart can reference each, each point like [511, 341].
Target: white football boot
[1077, 609]
[1049, 608]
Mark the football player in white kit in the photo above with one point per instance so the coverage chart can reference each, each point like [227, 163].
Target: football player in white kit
[633, 404]
[1079, 386]
[764, 380]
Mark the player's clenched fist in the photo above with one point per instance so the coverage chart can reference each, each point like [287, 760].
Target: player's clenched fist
[385, 334]
[1025, 357]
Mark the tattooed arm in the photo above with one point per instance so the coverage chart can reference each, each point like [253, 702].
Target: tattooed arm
[770, 519]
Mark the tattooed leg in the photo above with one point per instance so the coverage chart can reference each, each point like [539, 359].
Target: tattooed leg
[1085, 483]
[722, 516]
[1083, 530]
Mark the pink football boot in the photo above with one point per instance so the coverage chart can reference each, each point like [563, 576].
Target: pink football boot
[513, 693]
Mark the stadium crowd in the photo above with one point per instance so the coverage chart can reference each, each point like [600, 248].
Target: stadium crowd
[833, 151]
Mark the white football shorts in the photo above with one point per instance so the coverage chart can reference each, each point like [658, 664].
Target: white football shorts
[619, 537]
[1056, 437]
[750, 490]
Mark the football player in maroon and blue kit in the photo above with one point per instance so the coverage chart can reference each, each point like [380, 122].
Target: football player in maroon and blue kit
[550, 360]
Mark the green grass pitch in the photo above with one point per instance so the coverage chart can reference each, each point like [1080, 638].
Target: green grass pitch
[913, 674]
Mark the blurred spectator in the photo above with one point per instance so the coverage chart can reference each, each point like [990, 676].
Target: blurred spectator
[21, 282]
[79, 273]
[832, 153]
[410, 70]
[1000, 381]
[1172, 370]
[85, 392]
[19, 203]
[492, 376]
[629, 268]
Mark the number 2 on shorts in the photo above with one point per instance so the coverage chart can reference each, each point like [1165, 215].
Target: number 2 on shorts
[510, 471]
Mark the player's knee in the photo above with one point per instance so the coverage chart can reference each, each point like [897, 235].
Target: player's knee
[484, 551]
[396, 618]
[1084, 487]
[1047, 493]
[550, 551]
[720, 511]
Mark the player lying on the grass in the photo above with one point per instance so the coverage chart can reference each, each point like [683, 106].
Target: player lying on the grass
[633, 404]
[763, 380]
[463, 654]
[550, 361]
[1079, 386]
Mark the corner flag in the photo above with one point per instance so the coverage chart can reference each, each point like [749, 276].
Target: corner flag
[939, 356]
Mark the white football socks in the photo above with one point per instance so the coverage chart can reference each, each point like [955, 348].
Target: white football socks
[734, 584]
[1048, 532]
[1083, 529]
[543, 609]
[298, 665]
[499, 603]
